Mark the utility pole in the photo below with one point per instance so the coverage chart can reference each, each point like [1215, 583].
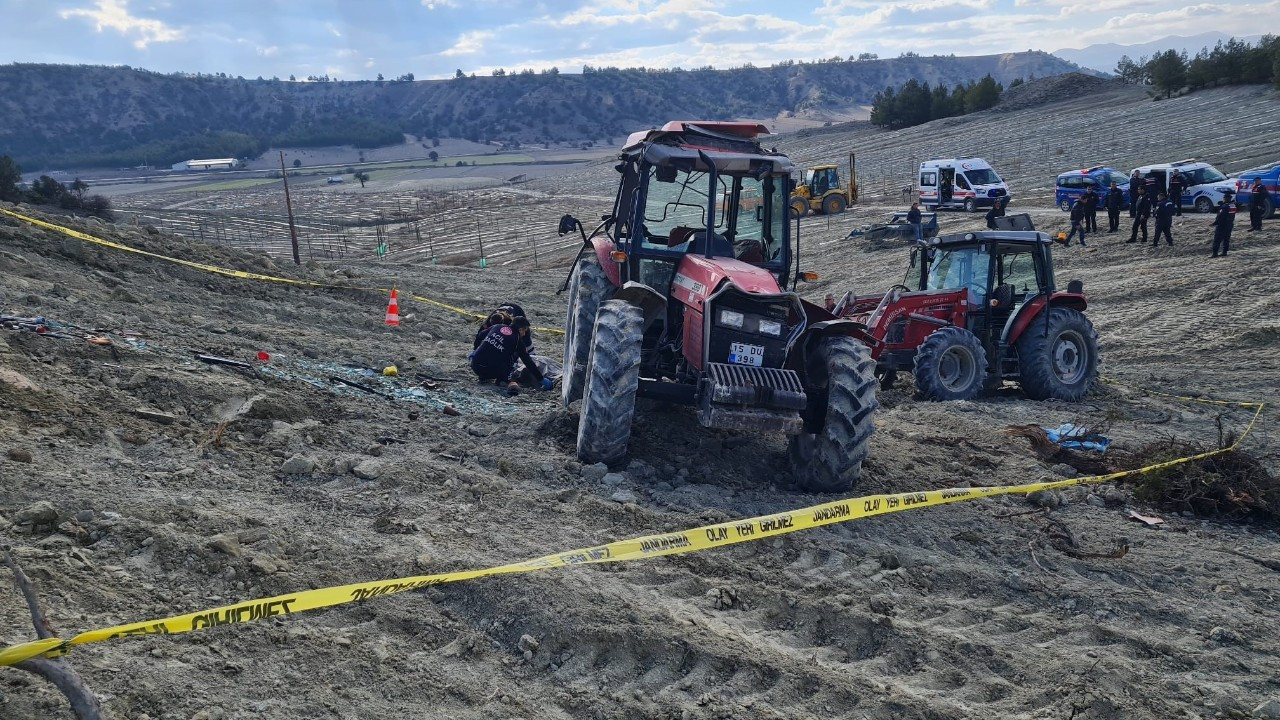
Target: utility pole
[288, 203]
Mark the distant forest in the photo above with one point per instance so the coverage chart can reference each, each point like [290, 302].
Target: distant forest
[915, 103]
[62, 116]
[1234, 62]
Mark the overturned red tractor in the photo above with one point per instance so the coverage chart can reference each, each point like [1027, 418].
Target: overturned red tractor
[686, 293]
[981, 308]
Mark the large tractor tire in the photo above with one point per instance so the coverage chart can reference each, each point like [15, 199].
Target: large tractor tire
[1062, 362]
[799, 206]
[951, 364]
[830, 460]
[587, 289]
[833, 204]
[613, 373]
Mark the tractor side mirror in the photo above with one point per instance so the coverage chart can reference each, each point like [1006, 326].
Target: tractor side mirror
[1075, 286]
[568, 224]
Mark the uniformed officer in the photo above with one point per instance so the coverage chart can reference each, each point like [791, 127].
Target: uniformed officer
[1222, 224]
[1114, 201]
[496, 356]
[1135, 182]
[1177, 184]
[1141, 212]
[1164, 220]
[1258, 197]
[1091, 200]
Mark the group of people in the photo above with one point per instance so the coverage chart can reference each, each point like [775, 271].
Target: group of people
[1144, 203]
[503, 350]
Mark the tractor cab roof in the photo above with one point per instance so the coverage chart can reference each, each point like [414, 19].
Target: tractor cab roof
[1027, 237]
[733, 147]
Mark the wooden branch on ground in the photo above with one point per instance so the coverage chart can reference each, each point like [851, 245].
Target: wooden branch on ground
[64, 677]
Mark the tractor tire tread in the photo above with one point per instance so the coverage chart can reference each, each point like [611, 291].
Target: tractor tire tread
[930, 353]
[1035, 373]
[587, 289]
[834, 461]
[613, 374]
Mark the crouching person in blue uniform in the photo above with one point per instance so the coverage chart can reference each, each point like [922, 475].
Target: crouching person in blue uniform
[495, 357]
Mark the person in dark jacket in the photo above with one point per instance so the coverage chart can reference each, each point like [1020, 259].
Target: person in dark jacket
[1222, 224]
[996, 211]
[497, 318]
[1114, 201]
[1177, 185]
[915, 220]
[1091, 209]
[1153, 185]
[1258, 197]
[1135, 182]
[1077, 221]
[1141, 213]
[496, 356]
[513, 310]
[1164, 220]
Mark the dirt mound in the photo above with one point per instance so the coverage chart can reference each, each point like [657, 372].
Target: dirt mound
[1057, 88]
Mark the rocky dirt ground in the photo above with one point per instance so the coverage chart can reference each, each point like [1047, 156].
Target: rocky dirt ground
[138, 482]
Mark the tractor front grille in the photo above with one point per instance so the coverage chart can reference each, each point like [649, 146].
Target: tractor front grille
[743, 385]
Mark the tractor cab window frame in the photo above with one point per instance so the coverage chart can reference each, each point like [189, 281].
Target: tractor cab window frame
[967, 267]
[664, 206]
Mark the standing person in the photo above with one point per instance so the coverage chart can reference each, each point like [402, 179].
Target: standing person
[1114, 201]
[496, 356]
[1135, 182]
[1258, 197]
[1152, 183]
[915, 221]
[1091, 209]
[1164, 220]
[945, 189]
[1078, 221]
[1223, 222]
[1141, 212]
[1177, 184]
[996, 211]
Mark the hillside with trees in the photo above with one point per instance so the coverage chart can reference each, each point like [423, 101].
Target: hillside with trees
[56, 116]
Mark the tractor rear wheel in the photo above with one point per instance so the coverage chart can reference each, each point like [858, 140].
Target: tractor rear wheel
[1059, 363]
[951, 364]
[840, 378]
[833, 204]
[587, 289]
[613, 373]
[799, 206]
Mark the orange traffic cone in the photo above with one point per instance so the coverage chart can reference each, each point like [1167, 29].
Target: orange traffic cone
[393, 310]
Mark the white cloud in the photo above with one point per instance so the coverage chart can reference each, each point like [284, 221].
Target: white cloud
[333, 29]
[269, 51]
[469, 43]
[114, 15]
[437, 4]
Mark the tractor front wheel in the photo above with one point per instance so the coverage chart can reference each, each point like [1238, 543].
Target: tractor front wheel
[613, 374]
[1058, 358]
[833, 204]
[840, 379]
[799, 206]
[587, 289]
[951, 364]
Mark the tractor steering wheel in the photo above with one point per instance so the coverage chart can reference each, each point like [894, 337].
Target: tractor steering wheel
[901, 287]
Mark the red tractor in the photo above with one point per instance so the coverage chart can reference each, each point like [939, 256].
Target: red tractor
[681, 294]
[984, 308]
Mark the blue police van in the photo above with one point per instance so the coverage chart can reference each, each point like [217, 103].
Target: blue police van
[1270, 175]
[1072, 185]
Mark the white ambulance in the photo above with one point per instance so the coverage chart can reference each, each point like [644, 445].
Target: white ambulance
[968, 183]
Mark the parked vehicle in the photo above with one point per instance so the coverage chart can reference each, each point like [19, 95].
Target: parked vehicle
[1270, 175]
[334, 180]
[966, 183]
[1072, 185]
[1205, 185]
[822, 192]
[895, 228]
[685, 295]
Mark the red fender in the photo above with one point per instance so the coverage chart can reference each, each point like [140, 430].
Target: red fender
[603, 246]
[1031, 310]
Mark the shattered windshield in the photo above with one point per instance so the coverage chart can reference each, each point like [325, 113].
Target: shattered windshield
[680, 203]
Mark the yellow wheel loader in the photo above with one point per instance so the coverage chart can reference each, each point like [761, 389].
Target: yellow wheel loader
[822, 192]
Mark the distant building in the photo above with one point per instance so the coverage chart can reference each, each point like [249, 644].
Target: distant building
[216, 164]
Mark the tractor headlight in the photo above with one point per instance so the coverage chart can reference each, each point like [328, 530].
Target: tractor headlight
[771, 327]
[731, 318]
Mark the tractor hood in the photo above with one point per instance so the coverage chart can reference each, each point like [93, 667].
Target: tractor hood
[697, 278]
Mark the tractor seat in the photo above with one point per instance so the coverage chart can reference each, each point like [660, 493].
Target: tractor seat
[720, 245]
[1003, 298]
[750, 251]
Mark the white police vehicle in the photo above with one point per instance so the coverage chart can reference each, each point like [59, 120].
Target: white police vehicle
[1203, 185]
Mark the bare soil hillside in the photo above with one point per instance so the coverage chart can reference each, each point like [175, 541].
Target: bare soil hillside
[137, 482]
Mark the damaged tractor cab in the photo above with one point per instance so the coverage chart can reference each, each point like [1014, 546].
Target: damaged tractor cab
[682, 294]
[977, 309]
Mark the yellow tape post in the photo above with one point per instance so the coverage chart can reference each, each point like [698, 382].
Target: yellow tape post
[648, 546]
[228, 272]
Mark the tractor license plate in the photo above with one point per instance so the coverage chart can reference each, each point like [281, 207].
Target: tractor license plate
[744, 354]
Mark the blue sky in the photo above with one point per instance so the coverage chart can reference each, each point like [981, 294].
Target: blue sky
[357, 39]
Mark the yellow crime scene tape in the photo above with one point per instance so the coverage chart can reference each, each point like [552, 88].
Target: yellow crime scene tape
[243, 275]
[648, 546]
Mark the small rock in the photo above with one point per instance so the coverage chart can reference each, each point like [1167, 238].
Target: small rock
[423, 561]
[343, 642]
[624, 497]
[227, 544]
[1064, 470]
[528, 642]
[1114, 496]
[155, 416]
[1016, 582]
[1045, 499]
[148, 541]
[298, 465]
[1269, 710]
[213, 713]
[264, 565]
[21, 455]
[613, 479]
[368, 470]
[890, 561]
[1095, 501]
[375, 450]
[41, 513]
[1223, 635]
[84, 516]
[594, 473]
